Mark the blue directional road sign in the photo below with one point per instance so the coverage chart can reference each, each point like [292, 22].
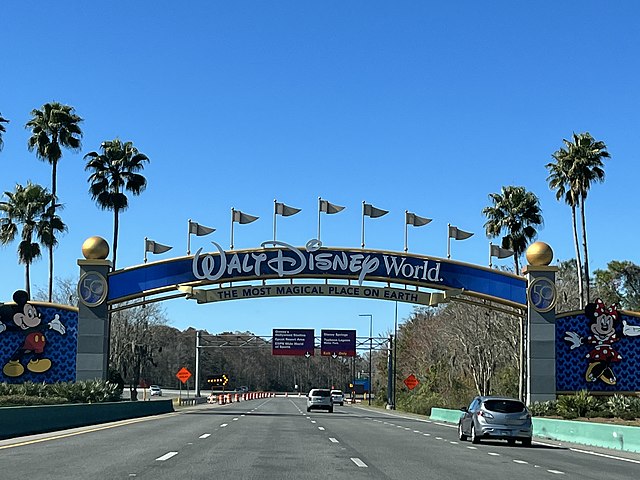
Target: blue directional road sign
[338, 343]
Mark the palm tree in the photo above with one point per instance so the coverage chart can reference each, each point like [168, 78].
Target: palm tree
[52, 127]
[30, 207]
[577, 166]
[2, 129]
[588, 167]
[516, 212]
[114, 171]
[559, 180]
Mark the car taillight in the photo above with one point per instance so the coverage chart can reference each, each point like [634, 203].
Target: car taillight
[526, 416]
[482, 413]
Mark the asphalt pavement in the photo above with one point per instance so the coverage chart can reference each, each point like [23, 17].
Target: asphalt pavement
[275, 438]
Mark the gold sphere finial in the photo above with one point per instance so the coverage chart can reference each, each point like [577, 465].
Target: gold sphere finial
[539, 254]
[95, 248]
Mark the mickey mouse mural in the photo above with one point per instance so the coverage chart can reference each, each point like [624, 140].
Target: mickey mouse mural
[602, 339]
[32, 341]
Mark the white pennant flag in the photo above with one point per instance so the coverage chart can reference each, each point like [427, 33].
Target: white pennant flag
[373, 212]
[285, 210]
[499, 252]
[329, 208]
[155, 247]
[199, 230]
[457, 234]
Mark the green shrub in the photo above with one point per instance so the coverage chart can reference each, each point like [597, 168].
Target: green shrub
[543, 409]
[579, 405]
[25, 400]
[619, 405]
[90, 391]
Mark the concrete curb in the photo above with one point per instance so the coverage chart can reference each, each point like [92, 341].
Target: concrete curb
[616, 437]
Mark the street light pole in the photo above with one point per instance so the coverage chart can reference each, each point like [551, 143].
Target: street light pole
[370, 350]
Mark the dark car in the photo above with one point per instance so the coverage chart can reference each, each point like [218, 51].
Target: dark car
[496, 418]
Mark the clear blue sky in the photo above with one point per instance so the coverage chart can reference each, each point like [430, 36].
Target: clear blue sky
[426, 106]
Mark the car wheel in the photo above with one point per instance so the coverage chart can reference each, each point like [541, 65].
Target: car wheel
[308, 409]
[474, 437]
[331, 410]
[461, 434]
[511, 441]
[526, 442]
[342, 404]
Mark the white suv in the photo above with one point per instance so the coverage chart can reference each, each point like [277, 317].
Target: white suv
[337, 397]
[320, 398]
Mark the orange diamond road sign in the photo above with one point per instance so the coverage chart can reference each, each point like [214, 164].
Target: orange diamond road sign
[183, 375]
[411, 382]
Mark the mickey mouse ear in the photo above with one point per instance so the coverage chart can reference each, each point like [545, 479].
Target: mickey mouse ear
[20, 297]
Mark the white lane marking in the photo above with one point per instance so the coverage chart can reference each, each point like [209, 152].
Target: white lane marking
[313, 421]
[522, 462]
[407, 428]
[320, 428]
[205, 435]
[604, 455]
[235, 419]
[438, 438]
[416, 431]
[557, 472]
[166, 456]
[453, 443]
[472, 448]
[445, 425]
[493, 454]
[399, 426]
[242, 415]
[358, 462]
[426, 434]
[224, 425]
[333, 440]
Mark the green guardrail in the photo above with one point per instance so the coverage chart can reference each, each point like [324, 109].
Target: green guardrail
[20, 421]
[615, 437]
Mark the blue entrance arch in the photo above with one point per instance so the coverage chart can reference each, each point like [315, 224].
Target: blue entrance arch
[280, 261]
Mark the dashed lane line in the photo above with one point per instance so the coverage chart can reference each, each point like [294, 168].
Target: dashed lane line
[321, 428]
[166, 456]
[521, 462]
[493, 454]
[557, 472]
[359, 462]
[224, 425]
[205, 435]
[333, 440]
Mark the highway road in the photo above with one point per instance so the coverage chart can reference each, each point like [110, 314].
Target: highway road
[276, 438]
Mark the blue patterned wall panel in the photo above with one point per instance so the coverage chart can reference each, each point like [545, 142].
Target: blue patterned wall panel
[60, 349]
[571, 365]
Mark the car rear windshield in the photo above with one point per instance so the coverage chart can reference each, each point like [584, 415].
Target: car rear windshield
[336, 392]
[504, 406]
[320, 393]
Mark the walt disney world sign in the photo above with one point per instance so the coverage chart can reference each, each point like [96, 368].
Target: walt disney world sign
[278, 260]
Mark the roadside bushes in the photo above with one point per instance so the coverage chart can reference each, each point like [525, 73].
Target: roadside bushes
[584, 405]
[29, 393]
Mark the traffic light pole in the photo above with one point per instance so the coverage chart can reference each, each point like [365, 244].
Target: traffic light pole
[197, 379]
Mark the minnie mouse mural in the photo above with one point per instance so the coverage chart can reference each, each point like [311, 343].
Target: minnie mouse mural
[601, 357]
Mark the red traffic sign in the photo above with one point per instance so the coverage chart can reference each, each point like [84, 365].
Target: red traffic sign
[411, 382]
[183, 375]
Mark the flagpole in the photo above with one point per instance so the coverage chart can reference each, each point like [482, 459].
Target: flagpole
[274, 219]
[232, 215]
[448, 240]
[406, 229]
[145, 249]
[363, 230]
[319, 204]
[189, 237]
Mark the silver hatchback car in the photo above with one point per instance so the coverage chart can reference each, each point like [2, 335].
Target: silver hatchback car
[496, 418]
[320, 398]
